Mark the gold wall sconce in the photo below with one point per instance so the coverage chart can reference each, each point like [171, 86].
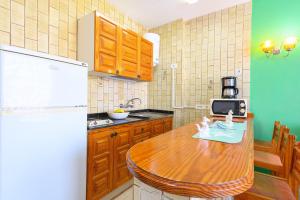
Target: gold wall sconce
[288, 45]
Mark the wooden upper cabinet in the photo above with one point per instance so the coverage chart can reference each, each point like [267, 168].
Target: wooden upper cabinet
[146, 60]
[100, 163]
[128, 52]
[111, 49]
[105, 46]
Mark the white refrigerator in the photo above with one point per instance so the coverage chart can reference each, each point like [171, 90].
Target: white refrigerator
[43, 132]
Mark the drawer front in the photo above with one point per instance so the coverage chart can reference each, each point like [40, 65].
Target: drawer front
[157, 128]
[129, 54]
[129, 69]
[142, 129]
[129, 39]
[108, 29]
[108, 46]
[146, 47]
[140, 138]
[168, 124]
[107, 64]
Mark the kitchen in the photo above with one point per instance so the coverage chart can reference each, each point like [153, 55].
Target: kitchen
[166, 69]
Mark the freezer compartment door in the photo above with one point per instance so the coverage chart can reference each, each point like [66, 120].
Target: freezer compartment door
[30, 81]
[43, 155]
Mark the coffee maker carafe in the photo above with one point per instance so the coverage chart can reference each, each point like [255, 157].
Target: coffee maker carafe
[229, 89]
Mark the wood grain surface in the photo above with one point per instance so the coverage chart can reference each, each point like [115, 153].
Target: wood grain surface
[177, 163]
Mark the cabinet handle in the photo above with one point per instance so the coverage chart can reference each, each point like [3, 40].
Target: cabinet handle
[139, 76]
[117, 72]
[142, 129]
[112, 134]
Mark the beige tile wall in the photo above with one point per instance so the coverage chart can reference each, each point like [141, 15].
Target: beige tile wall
[205, 49]
[50, 26]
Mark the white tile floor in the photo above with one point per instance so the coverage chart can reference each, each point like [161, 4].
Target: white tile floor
[127, 195]
[141, 191]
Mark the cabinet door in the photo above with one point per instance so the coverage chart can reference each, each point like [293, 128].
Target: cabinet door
[168, 124]
[128, 47]
[122, 143]
[100, 163]
[157, 127]
[141, 132]
[146, 60]
[105, 46]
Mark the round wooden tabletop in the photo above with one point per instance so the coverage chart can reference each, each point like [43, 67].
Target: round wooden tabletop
[179, 164]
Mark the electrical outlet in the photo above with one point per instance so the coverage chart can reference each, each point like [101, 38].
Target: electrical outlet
[173, 65]
[238, 72]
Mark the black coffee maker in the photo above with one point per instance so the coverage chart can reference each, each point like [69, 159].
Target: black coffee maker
[229, 89]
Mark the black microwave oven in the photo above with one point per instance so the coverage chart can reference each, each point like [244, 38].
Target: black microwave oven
[221, 107]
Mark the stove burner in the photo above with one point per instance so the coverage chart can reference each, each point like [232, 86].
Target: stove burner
[99, 122]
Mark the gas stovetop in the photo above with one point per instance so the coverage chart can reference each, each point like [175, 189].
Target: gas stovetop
[93, 123]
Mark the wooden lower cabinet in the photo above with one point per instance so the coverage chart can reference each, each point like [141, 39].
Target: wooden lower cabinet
[107, 148]
[122, 143]
[100, 163]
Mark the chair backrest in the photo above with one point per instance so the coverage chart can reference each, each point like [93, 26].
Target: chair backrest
[250, 115]
[286, 151]
[277, 137]
[294, 178]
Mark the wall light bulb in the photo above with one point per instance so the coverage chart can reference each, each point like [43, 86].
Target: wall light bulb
[267, 46]
[290, 43]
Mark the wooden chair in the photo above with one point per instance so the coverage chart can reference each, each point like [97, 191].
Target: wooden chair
[272, 146]
[268, 187]
[279, 164]
[294, 178]
[250, 115]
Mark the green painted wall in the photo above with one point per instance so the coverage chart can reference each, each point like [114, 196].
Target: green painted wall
[275, 81]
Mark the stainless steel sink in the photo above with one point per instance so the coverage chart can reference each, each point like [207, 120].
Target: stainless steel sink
[146, 115]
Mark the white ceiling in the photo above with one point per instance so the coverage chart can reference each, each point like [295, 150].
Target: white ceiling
[153, 13]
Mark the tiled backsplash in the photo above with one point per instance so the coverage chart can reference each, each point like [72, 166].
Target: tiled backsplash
[205, 49]
[50, 26]
[106, 94]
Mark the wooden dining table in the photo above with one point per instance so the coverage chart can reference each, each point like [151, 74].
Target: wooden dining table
[179, 164]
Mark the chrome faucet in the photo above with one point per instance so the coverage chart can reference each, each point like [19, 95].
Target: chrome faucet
[130, 102]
